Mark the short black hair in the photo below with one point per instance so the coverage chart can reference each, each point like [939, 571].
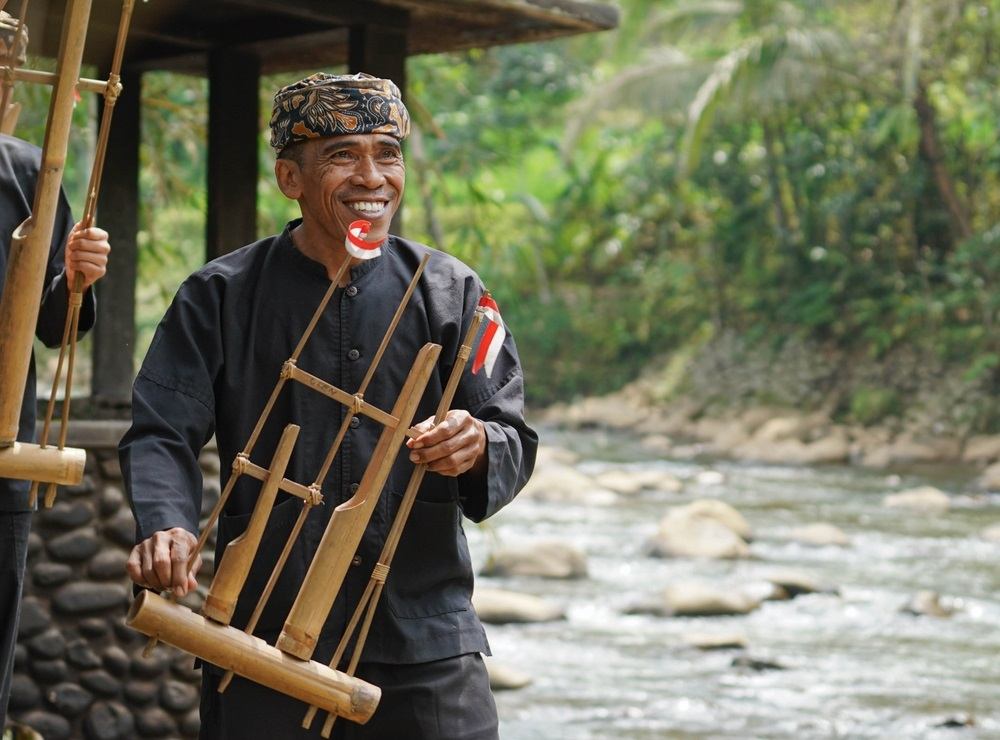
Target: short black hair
[294, 152]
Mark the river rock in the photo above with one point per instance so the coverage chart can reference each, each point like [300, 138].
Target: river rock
[723, 513]
[549, 454]
[930, 604]
[94, 627]
[155, 722]
[755, 664]
[66, 515]
[926, 499]
[497, 606]
[108, 721]
[80, 655]
[991, 533]
[692, 599]
[24, 693]
[112, 501]
[101, 683]
[684, 535]
[819, 534]
[715, 640]
[48, 574]
[544, 559]
[141, 693]
[34, 617]
[629, 482]
[563, 484]
[120, 528]
[990, 478]
[48, 645]
[50, 726]
[69, 699]
[796, 583]
[49, 671]
[86, 597]
[709, 478]
[505, 678]
[982, 449]
[108, 565]
[116, 661]
[178, 697]
[74, 546]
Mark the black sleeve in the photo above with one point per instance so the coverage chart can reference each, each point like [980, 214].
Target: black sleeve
[511, 444]
[173, 412]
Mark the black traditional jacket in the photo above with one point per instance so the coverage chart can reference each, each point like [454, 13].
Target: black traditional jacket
[210, 369]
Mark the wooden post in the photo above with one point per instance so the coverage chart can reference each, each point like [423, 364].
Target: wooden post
[380, 51]
[233, 116]
[114, 333]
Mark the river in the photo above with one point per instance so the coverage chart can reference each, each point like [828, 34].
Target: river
[852, 664]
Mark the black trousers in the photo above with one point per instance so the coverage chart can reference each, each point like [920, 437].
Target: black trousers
[14, 528]
[443, 700]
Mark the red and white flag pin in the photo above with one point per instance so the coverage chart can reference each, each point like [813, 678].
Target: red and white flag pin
[492, 338]
[355, 242]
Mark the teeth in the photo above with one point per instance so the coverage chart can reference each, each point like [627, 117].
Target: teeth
[368, 206]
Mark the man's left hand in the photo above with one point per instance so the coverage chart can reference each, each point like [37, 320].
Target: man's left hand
[455, 446]
[87, 253]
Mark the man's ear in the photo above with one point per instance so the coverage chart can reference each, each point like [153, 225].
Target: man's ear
[289, 177]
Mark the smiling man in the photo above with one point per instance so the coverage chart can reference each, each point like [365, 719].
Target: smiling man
[210, 370]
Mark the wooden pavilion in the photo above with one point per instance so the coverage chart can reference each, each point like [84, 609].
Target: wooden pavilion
[234, 42]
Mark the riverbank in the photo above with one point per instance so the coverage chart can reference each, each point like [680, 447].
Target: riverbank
[804, 404]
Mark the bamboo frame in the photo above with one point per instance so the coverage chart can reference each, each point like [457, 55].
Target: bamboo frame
[19, 304]
[369, 599]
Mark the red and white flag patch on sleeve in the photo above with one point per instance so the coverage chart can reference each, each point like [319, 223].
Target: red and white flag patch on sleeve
[355, 242]
[492, 337]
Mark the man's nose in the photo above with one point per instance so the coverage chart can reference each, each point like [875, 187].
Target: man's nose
[367, 173]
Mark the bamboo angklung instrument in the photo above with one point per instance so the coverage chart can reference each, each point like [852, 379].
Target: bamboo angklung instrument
[29, 251]
[369, 599]
[112, 90]
[237, 651]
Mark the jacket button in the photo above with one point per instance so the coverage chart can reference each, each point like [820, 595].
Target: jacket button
[355, 422]
[353, 354]
[356, 560]
[352, 290]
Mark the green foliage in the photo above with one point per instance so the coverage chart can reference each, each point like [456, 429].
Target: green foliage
[871, 405]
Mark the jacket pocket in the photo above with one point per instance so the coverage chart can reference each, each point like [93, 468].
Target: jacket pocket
[431, 571]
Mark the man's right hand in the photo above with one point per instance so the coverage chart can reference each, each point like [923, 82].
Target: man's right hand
[161, 562]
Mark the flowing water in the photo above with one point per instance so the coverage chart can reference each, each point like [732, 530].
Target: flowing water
[853, 665]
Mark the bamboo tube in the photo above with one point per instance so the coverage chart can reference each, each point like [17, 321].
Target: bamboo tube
[50, 465]
[29, 250]
[232, 571]
[349, 520]
[252, 658]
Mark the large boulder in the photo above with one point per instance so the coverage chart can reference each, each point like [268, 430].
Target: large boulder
[990, 479]
[982, 449]
[925, 498]
[693, 599]
[721, 512]
[497, 606]
[564, 484]
[543, 559]
[505, 678]
[819, 534]
[685, 535]
[794, 583]
[629, 482]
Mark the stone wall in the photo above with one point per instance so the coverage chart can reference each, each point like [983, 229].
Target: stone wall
[79, 671]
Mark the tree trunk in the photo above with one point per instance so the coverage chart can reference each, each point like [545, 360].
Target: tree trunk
[931, 151]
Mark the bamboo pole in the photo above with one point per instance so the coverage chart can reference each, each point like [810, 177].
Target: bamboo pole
[71, 328]
[29, 249]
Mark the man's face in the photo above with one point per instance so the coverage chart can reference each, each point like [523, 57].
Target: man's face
[347, 178]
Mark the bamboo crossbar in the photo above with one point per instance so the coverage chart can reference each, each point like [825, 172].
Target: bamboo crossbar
[23, 461]
[311, 495]
[35, 76]
[252, 658]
